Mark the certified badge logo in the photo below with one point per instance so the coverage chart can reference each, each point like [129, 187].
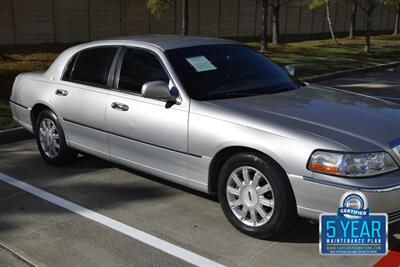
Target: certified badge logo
[353, 230]
[354, 205]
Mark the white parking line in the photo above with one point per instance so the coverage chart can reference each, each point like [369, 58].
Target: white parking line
[388, 97]
[141, 236]
[369, 80]
[335, 87]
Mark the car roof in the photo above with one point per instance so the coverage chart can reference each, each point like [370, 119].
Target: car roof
[168, 42]
[162, 42]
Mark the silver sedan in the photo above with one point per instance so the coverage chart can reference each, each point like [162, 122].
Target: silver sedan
[218, 117]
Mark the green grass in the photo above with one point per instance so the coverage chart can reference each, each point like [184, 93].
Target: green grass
[309, 58]
[322, 56]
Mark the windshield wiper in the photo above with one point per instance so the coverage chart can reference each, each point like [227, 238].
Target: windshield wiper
[240, 94]
[227, 94]
[278, 90]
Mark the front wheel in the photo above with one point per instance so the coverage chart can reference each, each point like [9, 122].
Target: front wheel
[50, 139]
[256, 196]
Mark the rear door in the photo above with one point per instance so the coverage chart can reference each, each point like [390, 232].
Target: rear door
[146, 133]
[82, 96]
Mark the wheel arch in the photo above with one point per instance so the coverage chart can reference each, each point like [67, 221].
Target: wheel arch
[35, 111]
[224, 154]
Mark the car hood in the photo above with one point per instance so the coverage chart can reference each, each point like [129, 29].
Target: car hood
[346, 118]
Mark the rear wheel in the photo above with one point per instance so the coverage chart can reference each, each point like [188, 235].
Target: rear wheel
[256, 196]
[50, 139]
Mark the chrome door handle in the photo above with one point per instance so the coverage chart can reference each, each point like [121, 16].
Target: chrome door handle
[61, 92]
[119, 106]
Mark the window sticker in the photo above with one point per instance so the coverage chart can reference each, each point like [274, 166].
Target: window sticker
[201, 63]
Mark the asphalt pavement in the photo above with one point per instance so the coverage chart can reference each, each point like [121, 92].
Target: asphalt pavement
[382, 84]
[94, 213]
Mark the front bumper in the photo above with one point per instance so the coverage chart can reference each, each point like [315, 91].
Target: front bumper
[316, 195]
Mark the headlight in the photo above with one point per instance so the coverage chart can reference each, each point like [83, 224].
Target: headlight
[351, 165]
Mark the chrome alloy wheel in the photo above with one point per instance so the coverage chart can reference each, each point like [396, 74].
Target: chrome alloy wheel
[49, 138]
[250, 196]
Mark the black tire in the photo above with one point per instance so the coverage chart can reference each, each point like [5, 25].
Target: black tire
[65, 154]
[284, 214]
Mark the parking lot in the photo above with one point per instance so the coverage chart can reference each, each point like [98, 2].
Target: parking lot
[382, 84]
[94, 213]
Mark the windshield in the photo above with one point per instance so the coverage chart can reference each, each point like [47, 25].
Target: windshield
[227, 71]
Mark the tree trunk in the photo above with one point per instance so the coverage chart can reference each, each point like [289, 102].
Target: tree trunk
[185, 17]
[275, 23]
[397, 22]
[353, 20]
[328, 17]
[124, 6]
[368, 33]
[264, 25]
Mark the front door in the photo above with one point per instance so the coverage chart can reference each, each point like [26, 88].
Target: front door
[145, 133]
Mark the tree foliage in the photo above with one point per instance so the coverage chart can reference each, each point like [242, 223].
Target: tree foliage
[158, 7]
[390, 2]
[314, 4]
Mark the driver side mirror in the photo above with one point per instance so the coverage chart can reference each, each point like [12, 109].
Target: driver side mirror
[290, 69]
[157, 90]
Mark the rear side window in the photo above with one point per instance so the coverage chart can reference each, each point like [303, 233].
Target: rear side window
[91, 66]
[139, 67]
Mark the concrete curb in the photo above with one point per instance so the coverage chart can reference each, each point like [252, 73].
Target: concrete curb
[345, 73]
[14, 135]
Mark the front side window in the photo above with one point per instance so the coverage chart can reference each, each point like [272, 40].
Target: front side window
[139, 67]
[91, 66]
